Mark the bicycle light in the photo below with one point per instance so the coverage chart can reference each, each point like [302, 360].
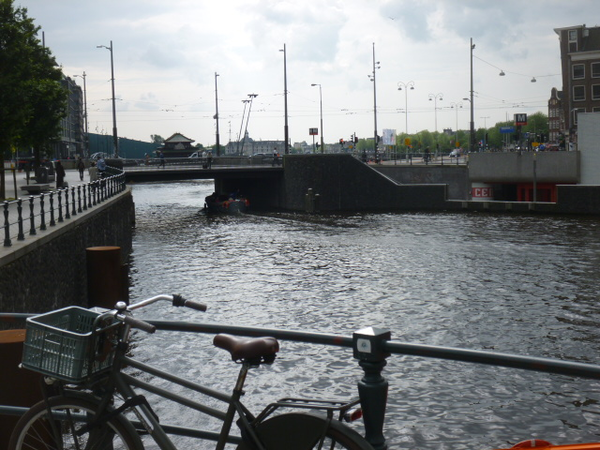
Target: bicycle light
[353, 414]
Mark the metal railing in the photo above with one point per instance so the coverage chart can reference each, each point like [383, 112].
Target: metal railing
[371, 347]
[22, 218]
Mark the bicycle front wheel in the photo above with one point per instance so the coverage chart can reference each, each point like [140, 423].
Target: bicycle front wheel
[57, 425]
[306, 431]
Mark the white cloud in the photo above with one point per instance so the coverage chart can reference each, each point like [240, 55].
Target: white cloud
[166, 55]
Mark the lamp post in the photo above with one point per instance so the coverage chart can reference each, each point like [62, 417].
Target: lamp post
[373, 79]
[251, 97]
[435, 98]
[410, 85]
[245, 102]
[114, 108]
[472, 124]
[217, 115]
[321, 115]
[456, 107]
[285, 92]
[85, 115]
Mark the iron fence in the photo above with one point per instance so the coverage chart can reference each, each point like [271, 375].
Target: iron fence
[25, 217]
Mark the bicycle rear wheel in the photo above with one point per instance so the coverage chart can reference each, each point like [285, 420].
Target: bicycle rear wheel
[306, 431]
[40, 430]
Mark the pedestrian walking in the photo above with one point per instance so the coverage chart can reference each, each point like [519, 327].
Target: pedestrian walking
[81, 168]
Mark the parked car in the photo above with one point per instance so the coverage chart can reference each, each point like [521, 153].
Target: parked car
[455, 153]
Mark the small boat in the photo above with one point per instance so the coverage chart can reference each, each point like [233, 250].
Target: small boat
[226, 204]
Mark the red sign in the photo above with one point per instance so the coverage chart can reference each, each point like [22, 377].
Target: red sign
[520, 119]
[483, 192]
[313, 131]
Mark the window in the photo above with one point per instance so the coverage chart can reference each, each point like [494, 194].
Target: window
[572, 40]
[578, 71]
[596, 70]
[596, 92]
[578, 93]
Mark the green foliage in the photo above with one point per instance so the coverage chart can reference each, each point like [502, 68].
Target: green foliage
[32, 100]
[157, 139]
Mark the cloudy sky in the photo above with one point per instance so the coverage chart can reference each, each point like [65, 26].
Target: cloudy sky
[166, 54]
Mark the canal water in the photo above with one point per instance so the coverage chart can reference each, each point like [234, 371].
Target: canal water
[518, 284]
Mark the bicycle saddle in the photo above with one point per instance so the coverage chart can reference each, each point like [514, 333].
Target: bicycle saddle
[261, 349]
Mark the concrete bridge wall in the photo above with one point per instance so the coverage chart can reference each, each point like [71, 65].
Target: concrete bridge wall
[343, 183]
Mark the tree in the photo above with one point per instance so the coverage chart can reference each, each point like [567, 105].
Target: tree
[32, 101]
[157, 139]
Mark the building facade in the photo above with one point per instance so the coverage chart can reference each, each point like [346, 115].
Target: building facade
[556, 118]
[72, 141]
[580, 62]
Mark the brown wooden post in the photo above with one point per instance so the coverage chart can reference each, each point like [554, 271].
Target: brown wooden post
[21, 387]
[107, 277]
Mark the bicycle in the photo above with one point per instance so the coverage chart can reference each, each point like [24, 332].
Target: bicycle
[83, 354]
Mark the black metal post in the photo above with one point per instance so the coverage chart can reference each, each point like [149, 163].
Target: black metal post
[372, 388]
[42, 213]
[67, 213]
[52, 222]
[7, 242]
[31, 217]
[60, 216]
[21, 235]
[73, 204]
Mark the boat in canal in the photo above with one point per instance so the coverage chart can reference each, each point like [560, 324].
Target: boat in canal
[228, 204]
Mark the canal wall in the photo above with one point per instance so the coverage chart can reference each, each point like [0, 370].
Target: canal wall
[49, 271]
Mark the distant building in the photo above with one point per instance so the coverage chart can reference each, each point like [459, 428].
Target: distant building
[556, 117]
[177, 146]
[72, 136]
[580, 60]
[248, 146]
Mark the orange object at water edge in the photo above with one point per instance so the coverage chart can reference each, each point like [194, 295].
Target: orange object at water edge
[540, 444]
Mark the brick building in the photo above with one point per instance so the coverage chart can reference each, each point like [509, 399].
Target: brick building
[580, 62]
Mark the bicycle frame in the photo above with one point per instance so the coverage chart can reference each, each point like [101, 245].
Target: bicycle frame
[126, 386]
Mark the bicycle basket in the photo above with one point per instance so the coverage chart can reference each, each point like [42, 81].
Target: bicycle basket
[68, 344]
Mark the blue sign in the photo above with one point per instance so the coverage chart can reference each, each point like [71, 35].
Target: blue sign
[507, 130]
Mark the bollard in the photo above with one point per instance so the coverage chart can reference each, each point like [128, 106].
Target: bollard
[21, 386]
[107, 277]
[372, 388]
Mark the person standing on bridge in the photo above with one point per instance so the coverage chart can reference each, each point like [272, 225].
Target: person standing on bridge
[209, 160]
[161, 155]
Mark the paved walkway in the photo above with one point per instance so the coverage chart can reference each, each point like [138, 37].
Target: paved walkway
[71, 177]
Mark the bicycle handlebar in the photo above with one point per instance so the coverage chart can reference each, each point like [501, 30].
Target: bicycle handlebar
[121, 308]
[178, 300]
[140, 324]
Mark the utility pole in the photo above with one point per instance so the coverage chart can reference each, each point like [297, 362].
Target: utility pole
[217, 114]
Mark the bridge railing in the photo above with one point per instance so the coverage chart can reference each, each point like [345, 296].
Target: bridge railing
[25, 217]
[371, 347]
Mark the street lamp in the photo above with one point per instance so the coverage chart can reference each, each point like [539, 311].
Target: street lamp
[85, 115]
[217, 115]
[472, 124]
[285, 92]
[321, 109]
[410, 85]
[114, 108]
[373, 79]
[456, 106]
[435, 98]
